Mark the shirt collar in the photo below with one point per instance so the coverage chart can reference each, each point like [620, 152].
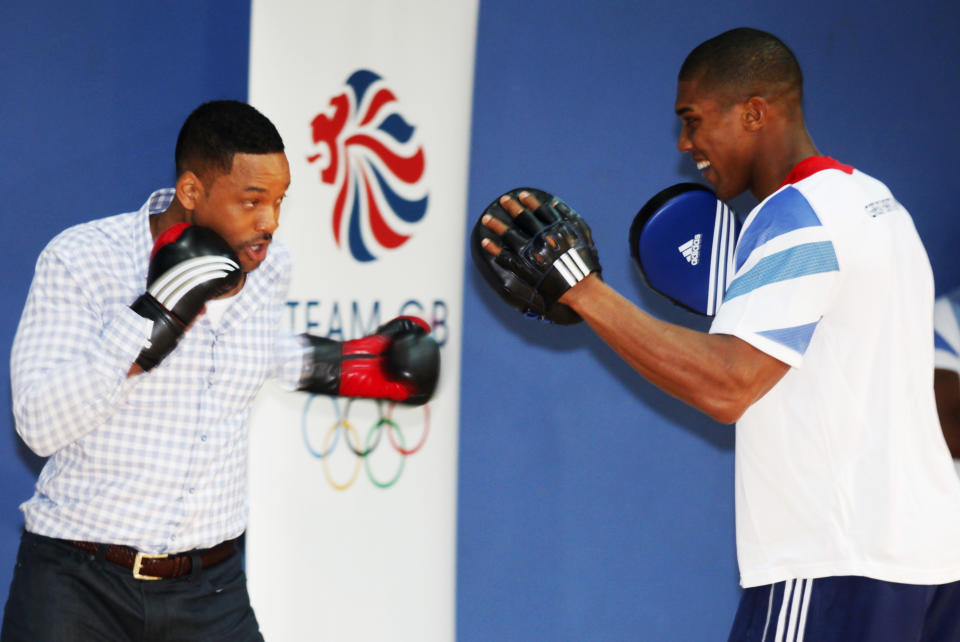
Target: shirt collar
[810, 166]
[158, 202]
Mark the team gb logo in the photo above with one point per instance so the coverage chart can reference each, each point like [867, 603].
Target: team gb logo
[375, 162]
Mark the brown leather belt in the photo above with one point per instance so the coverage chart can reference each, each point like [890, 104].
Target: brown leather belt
[159, 567]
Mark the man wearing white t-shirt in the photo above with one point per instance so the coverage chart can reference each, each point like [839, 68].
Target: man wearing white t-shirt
[848, 511]
[946, 377]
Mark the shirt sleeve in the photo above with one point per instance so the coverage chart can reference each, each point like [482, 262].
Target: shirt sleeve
[290, 360]
[70, 358]
[786, 275]
[946, 332]
[290, 352]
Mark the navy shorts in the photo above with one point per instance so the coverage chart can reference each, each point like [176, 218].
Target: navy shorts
[848, 609]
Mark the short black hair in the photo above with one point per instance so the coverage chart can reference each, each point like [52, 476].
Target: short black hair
[744, 62]
[217, 130]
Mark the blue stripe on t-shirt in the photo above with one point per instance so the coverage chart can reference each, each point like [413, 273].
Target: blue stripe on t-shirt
[792, 263]
[796, 338]
[785, 211]
[939, 343]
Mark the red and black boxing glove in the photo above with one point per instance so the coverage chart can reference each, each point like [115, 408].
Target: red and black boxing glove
[399, 362]
[189, 266]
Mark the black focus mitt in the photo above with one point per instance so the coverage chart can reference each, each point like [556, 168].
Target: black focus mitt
[544, 252]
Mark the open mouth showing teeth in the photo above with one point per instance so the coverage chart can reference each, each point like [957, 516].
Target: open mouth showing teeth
[257, 252]
[702, 165]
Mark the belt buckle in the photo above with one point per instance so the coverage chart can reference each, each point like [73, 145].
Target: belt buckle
[138, 564]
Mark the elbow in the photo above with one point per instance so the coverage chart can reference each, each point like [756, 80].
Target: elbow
[33, 443]
[728, 405]
[731, 395]
[726, 412]
[31, 432]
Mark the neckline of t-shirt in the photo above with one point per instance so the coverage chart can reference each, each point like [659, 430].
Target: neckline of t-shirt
[810, 166]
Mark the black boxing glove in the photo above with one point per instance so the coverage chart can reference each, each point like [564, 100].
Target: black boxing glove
[189, 266]
[400, 362]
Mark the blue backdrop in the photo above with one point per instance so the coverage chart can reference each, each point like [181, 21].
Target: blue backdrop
[592, 506]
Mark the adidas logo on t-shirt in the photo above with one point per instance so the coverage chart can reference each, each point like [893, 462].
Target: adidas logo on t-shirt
[691, 250]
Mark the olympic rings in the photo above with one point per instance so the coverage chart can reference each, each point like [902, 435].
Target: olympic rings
[351, 437]
[326, 469]
[376, 428]
[403, 459]
[423, 438]
[303, 428]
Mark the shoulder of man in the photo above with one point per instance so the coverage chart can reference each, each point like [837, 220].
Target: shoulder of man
[109, 232]
[106, 246]
[780, 219]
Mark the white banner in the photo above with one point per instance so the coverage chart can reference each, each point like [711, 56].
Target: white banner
[352, 532]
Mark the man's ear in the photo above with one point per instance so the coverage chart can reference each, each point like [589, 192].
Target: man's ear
[190, 190]
[755, 112]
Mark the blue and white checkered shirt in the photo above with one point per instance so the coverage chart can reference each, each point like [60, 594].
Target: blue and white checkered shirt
[157, 461]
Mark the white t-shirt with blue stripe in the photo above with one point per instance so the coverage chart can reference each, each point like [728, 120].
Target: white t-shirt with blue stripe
[841, 468]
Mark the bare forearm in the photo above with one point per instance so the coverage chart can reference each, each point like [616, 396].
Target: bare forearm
[717, 374]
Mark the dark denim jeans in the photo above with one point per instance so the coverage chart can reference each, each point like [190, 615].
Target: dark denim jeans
[61, 593]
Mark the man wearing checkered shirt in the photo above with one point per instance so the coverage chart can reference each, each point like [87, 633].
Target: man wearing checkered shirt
[143, 411]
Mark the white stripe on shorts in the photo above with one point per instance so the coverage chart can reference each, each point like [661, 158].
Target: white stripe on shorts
[796, 600]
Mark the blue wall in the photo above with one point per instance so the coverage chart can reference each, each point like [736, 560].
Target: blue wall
[592, 506]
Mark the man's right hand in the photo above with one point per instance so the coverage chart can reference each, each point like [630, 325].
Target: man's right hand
[189, 266]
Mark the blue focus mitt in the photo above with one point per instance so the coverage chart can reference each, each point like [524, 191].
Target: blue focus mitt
[682, 241]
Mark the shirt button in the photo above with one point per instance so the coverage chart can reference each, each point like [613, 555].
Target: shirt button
[203, 437]
[192, 490]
